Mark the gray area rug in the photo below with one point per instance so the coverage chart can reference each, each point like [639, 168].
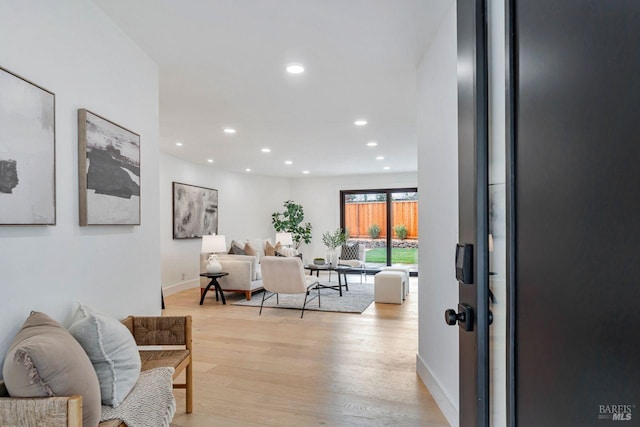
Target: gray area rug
[356, 300]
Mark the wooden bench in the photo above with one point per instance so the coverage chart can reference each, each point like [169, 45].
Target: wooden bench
[174, 331]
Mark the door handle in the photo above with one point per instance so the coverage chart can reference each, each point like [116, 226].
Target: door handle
[464, 317]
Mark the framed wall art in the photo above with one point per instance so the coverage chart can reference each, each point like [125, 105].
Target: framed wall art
[108, 172]
[27, 152]
[195, 211]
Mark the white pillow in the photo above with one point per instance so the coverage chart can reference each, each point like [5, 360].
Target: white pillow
[112, 351]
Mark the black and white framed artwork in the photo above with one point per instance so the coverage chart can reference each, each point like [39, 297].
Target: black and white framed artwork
[195, 211]
[27, 152]
[108, 172]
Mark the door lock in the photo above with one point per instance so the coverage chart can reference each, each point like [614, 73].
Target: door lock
[464, 317]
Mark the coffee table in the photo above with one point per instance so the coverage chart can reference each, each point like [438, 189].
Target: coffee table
[341, 270]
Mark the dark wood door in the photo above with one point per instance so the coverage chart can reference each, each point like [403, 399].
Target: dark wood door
[575, 212]
[473, 221]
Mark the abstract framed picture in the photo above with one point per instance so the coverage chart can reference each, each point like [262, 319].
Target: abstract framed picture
[27, 152]
[108, 172]
[195, 211]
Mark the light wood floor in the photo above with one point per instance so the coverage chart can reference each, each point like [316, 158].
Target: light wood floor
[330, 369]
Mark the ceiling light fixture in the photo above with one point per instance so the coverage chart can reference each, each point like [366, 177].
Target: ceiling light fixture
[295, 68]
[360, 122]
[210, 160]
[387, 168]
[266, 150]
[372, 144]
[179, 144]
[248, 169]
[305, 172]
[380, 158]
[288, 162]
[229, 130]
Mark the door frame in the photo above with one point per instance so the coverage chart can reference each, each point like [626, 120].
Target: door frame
[511, 85]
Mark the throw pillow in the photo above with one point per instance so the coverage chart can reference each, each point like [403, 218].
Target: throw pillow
[271, 250]
[248, 249]
[350, 251]
[45, 360]
[237, 250]
[112, 351]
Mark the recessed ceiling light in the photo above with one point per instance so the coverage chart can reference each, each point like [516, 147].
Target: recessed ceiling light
[229, 130]
[210, 160]
[372, 144]
[266, 150]
[248, 169]
[305, 172]
[387, 168]
[380, 158]
[288, 162]
[360, 122]
[295, 68]
[179, 144]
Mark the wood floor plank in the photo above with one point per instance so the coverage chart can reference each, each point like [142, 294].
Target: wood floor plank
[329, 369]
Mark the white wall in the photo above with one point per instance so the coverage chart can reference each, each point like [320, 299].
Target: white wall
[72, 49]
[245, 201]
[320, 198]
[437, 359]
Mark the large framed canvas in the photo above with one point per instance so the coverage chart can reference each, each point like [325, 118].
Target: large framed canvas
[27, 152]
[195, 211]
[108, 172]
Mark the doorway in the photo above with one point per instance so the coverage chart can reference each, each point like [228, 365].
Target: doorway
[385, 222]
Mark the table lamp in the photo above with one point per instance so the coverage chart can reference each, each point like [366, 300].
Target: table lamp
[212, 244]
[285, 239]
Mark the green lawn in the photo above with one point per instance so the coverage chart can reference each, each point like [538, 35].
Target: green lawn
[398, 256]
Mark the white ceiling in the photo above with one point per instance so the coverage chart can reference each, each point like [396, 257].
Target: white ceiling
[222, 65]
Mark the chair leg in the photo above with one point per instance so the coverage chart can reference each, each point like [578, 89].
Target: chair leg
[248, 295]
[305, 303]
[318, 288]
[190, 387]
[263, 294]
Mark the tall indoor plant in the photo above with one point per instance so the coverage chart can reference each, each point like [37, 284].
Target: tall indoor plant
[290, 221]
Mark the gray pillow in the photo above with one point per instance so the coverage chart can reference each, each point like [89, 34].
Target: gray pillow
[112, 351]
[350, 251]
[45, 360]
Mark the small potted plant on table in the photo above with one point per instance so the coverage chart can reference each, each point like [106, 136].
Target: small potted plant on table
[332, 241]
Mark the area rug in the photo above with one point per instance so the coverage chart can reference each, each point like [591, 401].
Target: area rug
[356, 300]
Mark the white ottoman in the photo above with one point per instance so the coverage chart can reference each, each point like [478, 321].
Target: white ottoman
[404, 270]
[389, 287]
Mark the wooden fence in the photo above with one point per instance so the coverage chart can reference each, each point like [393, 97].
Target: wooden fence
[360, 216]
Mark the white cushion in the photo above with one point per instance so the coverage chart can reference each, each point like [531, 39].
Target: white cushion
[112, 351]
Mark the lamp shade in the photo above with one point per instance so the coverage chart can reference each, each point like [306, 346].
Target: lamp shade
[284, 239]
[213, 244]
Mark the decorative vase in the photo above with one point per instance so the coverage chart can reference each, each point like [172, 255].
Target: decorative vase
[332, 257]
[213, 265]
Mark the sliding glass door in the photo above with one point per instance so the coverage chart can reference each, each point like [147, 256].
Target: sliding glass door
[385, 222]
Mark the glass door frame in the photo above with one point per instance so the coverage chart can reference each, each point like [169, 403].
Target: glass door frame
[389, 200]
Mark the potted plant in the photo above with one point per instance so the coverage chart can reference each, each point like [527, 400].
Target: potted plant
[290, 221]
[332, 241]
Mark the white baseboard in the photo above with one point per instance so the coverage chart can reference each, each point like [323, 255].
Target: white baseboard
[178, 287]
[450, 411]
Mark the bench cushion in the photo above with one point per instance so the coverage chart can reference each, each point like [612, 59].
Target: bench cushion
[162, 358]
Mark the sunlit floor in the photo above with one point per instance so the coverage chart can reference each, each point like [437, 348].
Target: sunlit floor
[331, 369]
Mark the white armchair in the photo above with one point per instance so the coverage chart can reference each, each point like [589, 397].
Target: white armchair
[354, 257]
[286, 275]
